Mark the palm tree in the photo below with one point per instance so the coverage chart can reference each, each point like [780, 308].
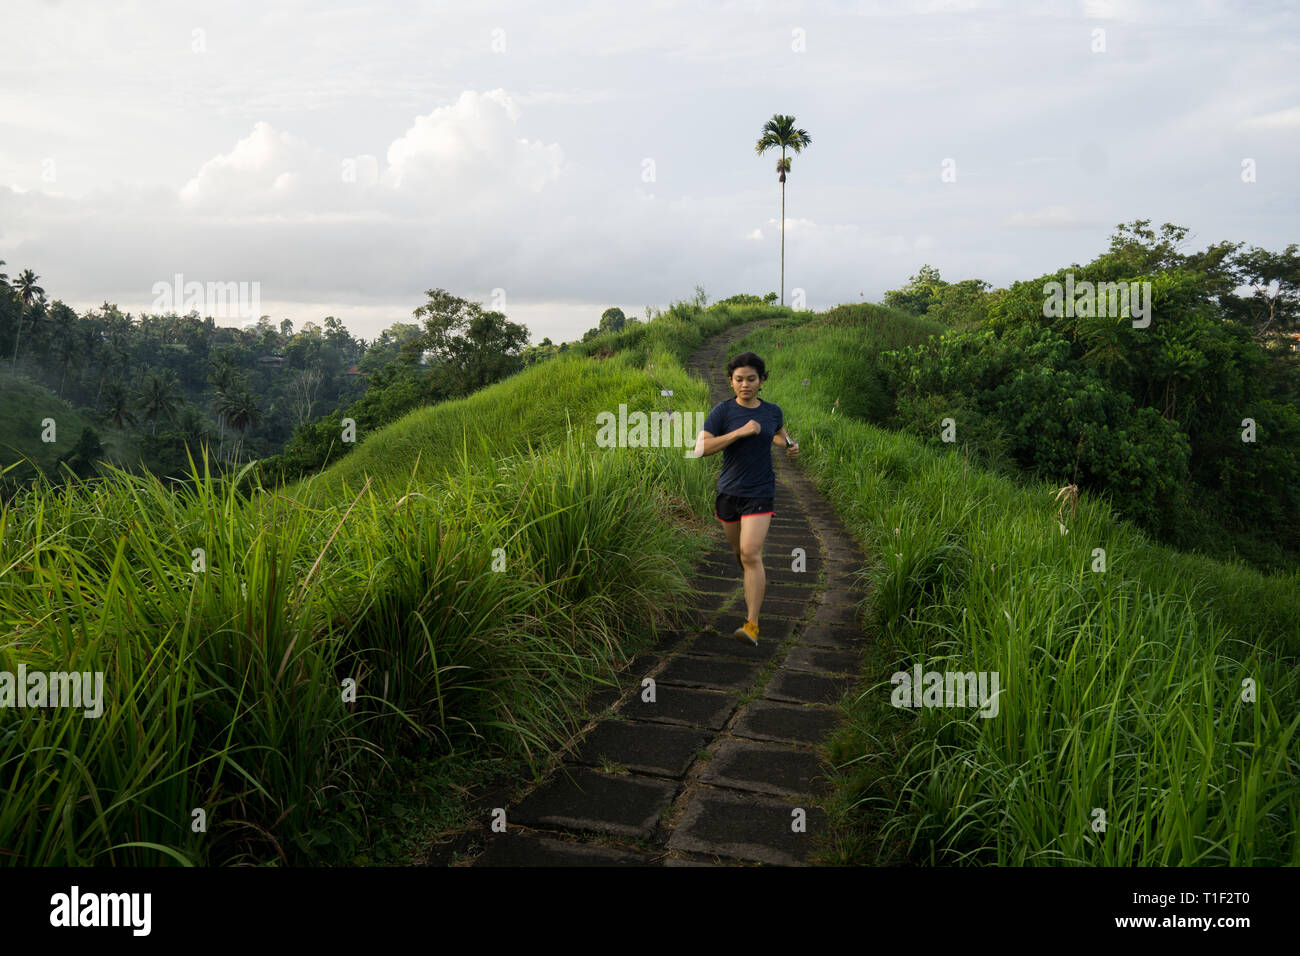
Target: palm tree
[780, 131]
[27, 290]
[193, 424]
[225, 376]
[158, 397]
[115, 336]
[72, 343]
[239, 408]
[117, 406]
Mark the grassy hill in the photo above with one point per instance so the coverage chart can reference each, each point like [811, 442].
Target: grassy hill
[1158, 687]
[278, 654]
[453, 589]
[24, 405]
[537, 408]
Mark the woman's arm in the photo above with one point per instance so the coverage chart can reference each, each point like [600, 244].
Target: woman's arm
[708, 444]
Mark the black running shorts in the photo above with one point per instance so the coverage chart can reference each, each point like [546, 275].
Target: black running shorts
[729, 509]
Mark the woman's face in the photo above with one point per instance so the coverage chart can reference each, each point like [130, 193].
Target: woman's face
[745, 383]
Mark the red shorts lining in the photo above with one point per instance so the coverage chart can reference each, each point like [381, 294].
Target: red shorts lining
[756, 514]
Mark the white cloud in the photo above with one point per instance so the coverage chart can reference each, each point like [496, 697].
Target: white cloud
[455, 159]
[565, 97]
[266, 170]
[1046, 217]
[1281, 119]
[471, 147]
[793, 225]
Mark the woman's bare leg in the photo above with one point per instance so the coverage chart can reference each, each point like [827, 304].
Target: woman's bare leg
[732, 531]
[753, 531]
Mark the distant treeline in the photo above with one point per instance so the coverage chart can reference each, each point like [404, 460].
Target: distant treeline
[140, 391]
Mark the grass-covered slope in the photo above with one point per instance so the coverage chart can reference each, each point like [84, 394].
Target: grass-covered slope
[264, 657]
[24, 408]
[261, 655]
[1148, 712]
[539, 406]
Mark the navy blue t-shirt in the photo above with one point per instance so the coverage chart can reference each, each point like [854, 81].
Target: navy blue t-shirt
[746, 462]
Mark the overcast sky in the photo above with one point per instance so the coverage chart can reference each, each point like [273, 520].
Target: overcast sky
[554, 159]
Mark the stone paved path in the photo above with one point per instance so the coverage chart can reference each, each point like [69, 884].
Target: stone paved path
[723, 764]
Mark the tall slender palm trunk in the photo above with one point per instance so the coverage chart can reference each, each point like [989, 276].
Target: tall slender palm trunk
[17, 339]
[780, 131]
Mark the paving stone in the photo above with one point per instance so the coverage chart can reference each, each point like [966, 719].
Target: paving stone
[847, 581]
[802, 687]
[769, 628]
[580, 799]
[667, 640]
[845, 616]
[783, 544]
[660, 749]
[792, 610]
[825, 635]
[777, 546]
[527, 849]
[716, 673]
[787, 591]
[726, 644]
[747, 827]
[602, 700]
[704, 615]
[799, 599]
[787, 723]
[764, 767]
[842, 597]
[722, 555]
[839, 548]
[680, 705]
[642, 666]
[784, 575]
[822, 661]
[710, 585]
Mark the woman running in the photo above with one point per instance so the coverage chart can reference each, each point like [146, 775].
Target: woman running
[747, 428]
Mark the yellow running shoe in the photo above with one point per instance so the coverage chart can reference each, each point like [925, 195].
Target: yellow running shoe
[748, 631]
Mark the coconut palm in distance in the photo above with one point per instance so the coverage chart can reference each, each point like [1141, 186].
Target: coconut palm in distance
[157, 397]
[27, 291]
[239, 406]
[780, 131]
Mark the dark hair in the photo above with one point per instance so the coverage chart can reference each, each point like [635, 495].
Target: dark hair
[750, 359]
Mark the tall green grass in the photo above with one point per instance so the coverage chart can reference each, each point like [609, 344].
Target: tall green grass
[464, 579]
[837, 353]
[1122, 690]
